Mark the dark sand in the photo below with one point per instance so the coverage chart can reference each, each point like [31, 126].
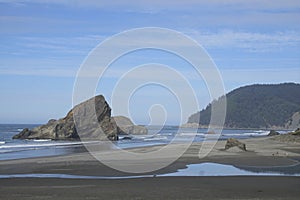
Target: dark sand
[262, 152]
[153, 188]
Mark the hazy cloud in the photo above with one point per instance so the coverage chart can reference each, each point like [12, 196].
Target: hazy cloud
[168, 4]
[249, 41]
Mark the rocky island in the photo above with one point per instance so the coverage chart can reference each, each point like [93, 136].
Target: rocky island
[65, 128]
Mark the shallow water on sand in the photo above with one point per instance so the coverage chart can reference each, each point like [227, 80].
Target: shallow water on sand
[202, 169]
[215, 169]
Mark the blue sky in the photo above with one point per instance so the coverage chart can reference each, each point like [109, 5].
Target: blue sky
[43, 44]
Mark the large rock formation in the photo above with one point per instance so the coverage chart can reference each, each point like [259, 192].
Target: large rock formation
[127, 127]
[293, 122]
[93, 120]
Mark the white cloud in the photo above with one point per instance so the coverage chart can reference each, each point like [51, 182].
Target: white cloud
[223, 39]
[169, 4]
[52, 72]
[70, 48]
[238, 77]
[250, 41]
[66, 45]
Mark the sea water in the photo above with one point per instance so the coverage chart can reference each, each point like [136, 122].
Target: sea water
[17, 148]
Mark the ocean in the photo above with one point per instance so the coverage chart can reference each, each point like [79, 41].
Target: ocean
[17, 149]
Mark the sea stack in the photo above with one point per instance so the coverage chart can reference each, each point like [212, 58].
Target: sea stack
[127, 126]
[85, 112]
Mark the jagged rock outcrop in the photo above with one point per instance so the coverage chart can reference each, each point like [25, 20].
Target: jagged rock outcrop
[291, 137]
[127, 127]
[231, 142]
[93, 118]
[296, 132]
[293, 122]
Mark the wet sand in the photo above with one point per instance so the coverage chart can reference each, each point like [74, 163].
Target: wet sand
[262, 152]
[153, 188]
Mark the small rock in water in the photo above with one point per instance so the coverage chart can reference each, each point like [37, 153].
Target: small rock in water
[272, 133]
[126, 138]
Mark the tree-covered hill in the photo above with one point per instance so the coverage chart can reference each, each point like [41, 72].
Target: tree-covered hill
[257, 106]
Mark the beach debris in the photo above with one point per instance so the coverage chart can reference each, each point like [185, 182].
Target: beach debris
[232, 142]
[275, 154]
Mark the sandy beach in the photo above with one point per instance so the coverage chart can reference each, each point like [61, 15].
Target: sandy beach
[153, 188]
[261, 153]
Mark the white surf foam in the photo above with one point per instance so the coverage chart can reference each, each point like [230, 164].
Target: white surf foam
[191, 134]
[41, 140]
[250, 134]
[156, 138]
[45, 144]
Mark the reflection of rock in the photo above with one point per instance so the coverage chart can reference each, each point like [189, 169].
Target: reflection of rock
[127, 127]
[231, 142]
[65, 128]
[272, 133]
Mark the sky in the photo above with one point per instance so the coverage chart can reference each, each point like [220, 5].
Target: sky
[44, 43]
